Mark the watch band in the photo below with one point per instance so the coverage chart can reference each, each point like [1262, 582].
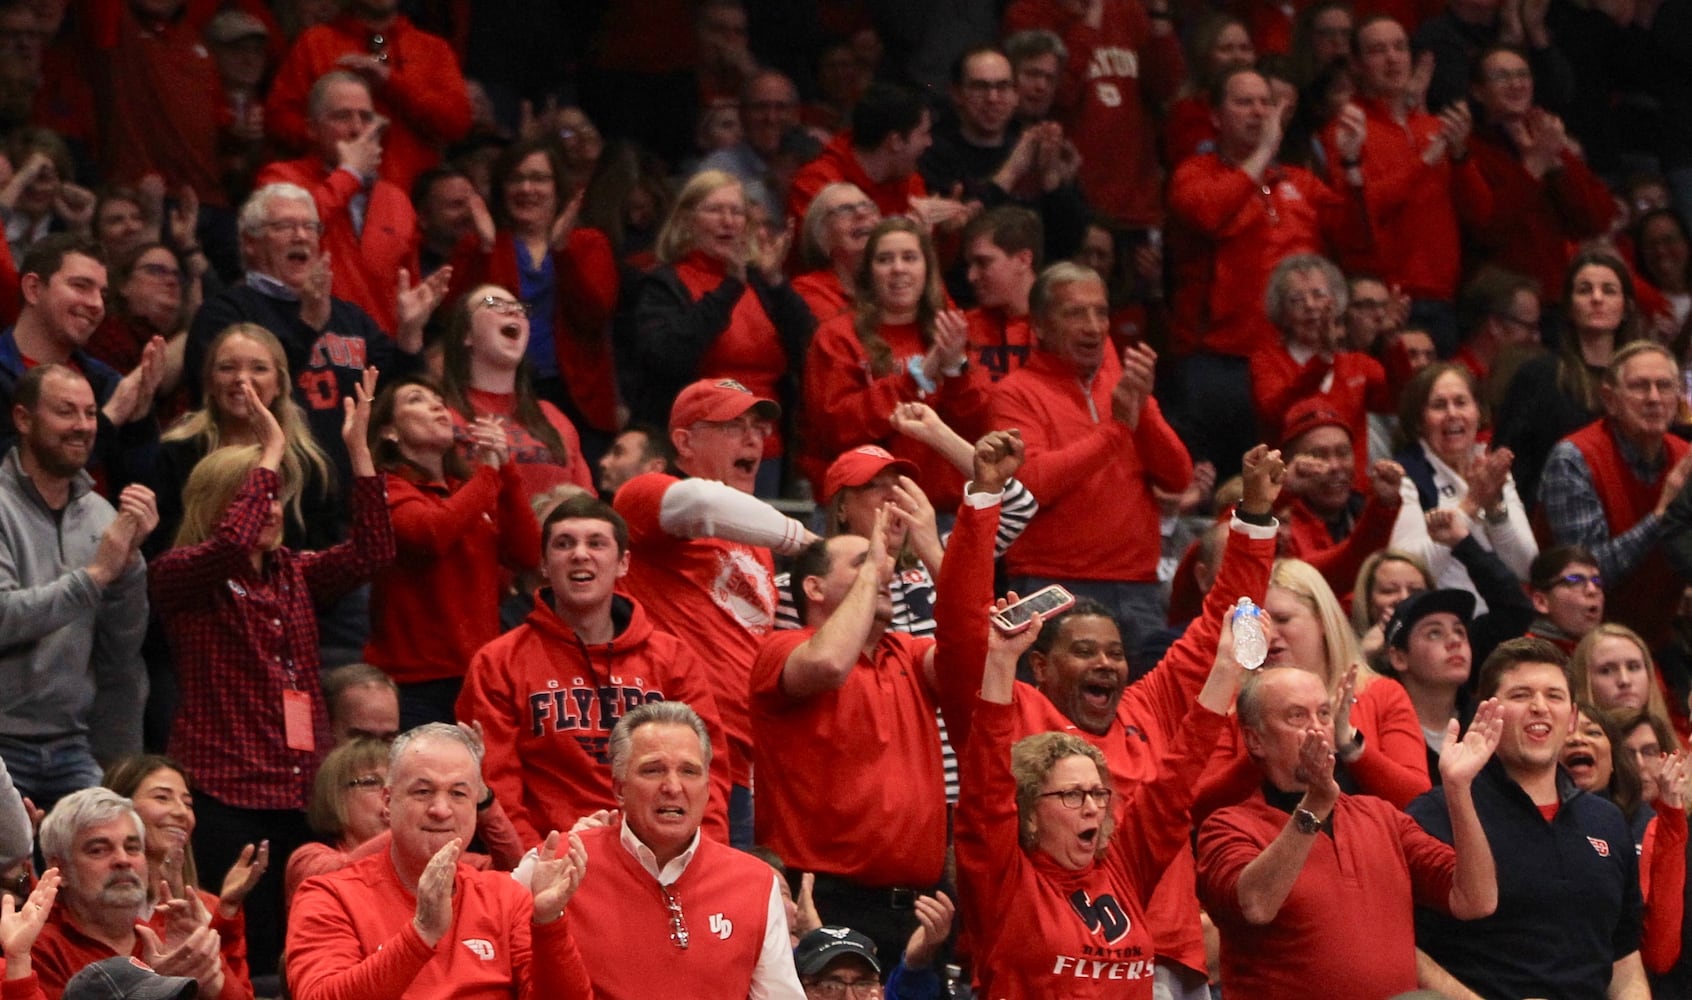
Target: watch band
[1306, 821]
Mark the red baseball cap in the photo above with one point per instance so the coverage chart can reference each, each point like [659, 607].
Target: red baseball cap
[718, 399]
[860, 465]
[1309, 414]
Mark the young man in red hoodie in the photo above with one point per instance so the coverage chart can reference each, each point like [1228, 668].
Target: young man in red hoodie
[549, 692]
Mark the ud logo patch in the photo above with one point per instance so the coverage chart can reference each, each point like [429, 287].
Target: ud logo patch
[480, 947]
[721, 926]
[1104, 916]
[1601, 846]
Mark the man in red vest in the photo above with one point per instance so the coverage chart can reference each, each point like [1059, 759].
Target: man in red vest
[1607, 485]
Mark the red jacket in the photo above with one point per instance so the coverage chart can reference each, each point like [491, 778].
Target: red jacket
[587, 284]
[1638, 599]
[1117, 73]
[838, 163]
[1532, 225]
[1188, 129]
[1227, 233]
[846, 406]
[1148, 719]
[878, 733]
[1098, 519]
[63, 949]
[1412, 206]
[547, 702]
[1338, 562]
[157, 97]
[538, 467]
[424, 97]
[439, 601]
[351, 937]
[1359, 388]
[366, 263]
[1376, 859]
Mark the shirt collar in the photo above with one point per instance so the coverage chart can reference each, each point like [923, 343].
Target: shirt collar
[264, 284]
[670, 873]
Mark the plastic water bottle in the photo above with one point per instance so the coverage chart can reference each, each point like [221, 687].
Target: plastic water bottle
[1250, 645]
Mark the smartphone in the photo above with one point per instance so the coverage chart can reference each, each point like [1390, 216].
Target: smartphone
[1047, 601]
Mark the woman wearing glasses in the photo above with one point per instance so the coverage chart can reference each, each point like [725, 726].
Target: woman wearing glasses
[832, 239]
[1057, 886]
[718, 306]
[486, 375]
[528, 241]
[457, 524]
[347, 810]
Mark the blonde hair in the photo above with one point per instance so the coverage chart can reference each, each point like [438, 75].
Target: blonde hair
[1580, 660]
[1362, 615]
[210, 488]
[1032, 759]
[677, 238]
[327, 813]
[1339, 642]
[301, 460]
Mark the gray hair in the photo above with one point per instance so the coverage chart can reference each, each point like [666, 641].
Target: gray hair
[1059, 275]
[1275, 298]
[77, 812]
[1038, 42]
[811, 249]
[663, 713]
[319, 94]
[255, 211]
[432, 732]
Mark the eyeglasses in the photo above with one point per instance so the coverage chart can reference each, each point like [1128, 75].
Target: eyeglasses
[1647, 754]
[504, 307]
[366, 781]
[290, 226]
[152, 270]
[730, 211]
[852, 208]
[1578, 580]
[835, 989]
[1523, 75]
[678, 921]
[1071, 797]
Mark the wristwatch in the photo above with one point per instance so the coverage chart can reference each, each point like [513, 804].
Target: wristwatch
[1306, 821]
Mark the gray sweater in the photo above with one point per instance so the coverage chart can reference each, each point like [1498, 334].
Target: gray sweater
[70, 654]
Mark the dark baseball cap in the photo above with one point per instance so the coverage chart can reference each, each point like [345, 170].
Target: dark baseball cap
[825, 944]
[1422, 604]
[124, 978]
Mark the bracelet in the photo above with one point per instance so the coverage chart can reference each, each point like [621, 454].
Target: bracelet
[920, 377]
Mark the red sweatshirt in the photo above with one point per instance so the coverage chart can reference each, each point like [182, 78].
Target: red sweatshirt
[1148, 719]
[439, 601]
[1188, 129]
[1532, 225]
[1412, 206]
[63, 949]
[366, 264]
[547, 702]
[351, 937]
[1098, 519]
[822, 291]
[839, 163]
[587, 283]
[1227, 233]
[1338, 562]
[846, 406]
[1117, 73]
[999, 342]
[1348, 923]
[538, 467]
[424, 97]
[711, 594]
[1044, 932]
[750, 351]
[878, 733]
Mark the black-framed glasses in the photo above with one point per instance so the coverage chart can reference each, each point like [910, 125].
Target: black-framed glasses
[837, 989]
[1071, 797]
[153, 270]
[366, 781]
[504, 307]
[1579, 580]
[678, 920]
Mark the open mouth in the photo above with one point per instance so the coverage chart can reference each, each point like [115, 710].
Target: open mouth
[1579, 759]
[746, 466]
[1537, 730]
[671, 812]
[511, 331]
[1099, 695]
[1089, 836]
[582, 576]
[299, 255]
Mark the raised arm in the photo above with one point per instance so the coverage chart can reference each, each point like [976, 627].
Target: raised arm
[825, 660]
[1267, 881]
[1474, 891]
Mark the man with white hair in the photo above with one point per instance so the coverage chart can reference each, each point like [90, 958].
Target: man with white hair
[328, 341]
[96, 840]
[417, 921]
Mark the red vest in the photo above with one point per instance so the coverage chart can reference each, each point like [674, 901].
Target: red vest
[625, 926]
[1644, 600]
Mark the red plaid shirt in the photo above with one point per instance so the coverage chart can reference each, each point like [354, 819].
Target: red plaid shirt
[241, 637]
